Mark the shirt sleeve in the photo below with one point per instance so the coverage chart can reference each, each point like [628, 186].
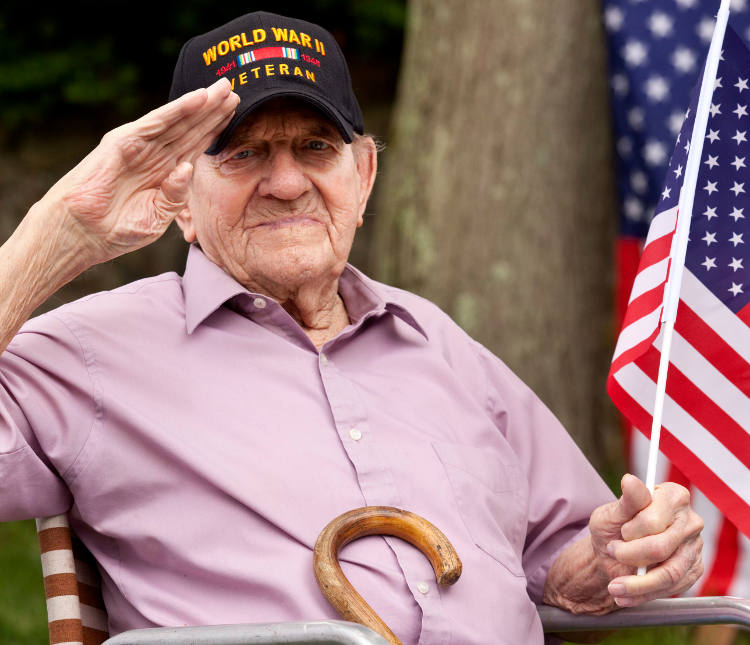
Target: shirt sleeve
[47, 411]
[563, 487]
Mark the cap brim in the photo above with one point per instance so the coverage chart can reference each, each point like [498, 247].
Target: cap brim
[342, 125]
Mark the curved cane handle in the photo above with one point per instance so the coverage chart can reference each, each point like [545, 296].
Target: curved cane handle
[377, 520]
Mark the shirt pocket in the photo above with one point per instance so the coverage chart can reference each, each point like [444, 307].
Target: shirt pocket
[489, 493]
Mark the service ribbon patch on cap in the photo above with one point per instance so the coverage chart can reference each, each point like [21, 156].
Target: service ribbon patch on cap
[268, 52]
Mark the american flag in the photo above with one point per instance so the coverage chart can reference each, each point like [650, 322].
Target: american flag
[656, 51]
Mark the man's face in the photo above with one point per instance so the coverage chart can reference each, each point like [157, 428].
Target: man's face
[279, 206]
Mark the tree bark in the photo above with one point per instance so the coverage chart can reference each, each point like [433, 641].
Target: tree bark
[498, 197]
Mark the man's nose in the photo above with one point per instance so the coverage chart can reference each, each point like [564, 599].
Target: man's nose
[284, 177]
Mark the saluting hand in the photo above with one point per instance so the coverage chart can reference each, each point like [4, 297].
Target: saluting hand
[124, 194]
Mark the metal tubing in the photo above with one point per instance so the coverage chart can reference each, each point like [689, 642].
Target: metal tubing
[656, 613]
[327, 632]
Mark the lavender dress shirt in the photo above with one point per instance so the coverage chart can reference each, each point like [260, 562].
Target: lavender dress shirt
[201, 442]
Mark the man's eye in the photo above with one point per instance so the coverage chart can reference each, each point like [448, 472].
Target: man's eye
[243, 154]
[317, 145]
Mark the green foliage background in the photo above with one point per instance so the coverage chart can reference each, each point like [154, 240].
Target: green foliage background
[111, 61]
[22, 612]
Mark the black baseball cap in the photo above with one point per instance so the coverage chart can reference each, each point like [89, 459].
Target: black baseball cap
[266, 56]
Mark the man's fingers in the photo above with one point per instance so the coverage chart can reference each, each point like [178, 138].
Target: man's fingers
[179, 126]
[673, 576]
[186, 107]
[173, 193]
[207, 139]
[652, 549]
[641, 529]
[671, 503]
[657, 531]
[178, 131]
[205, 123]
[635, 497]
[196, 139]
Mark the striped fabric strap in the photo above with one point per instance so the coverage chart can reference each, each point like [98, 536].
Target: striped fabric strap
[75, 611]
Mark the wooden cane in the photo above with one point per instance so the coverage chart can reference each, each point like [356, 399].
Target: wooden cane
[377, 520]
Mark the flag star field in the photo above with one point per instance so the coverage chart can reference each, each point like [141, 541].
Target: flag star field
[657, 49]
[717, 254]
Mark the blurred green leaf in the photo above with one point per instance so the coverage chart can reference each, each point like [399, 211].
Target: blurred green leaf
[54, 63]
[23, 619]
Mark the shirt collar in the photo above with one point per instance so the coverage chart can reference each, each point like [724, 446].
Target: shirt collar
[206, 287]
[364, 297]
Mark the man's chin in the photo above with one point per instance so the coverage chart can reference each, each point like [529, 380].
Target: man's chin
[294, 266]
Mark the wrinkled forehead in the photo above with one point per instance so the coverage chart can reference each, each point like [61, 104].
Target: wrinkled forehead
[284, 118]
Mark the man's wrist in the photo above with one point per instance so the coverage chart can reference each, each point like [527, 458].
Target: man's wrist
[40, 256]
[577, 581]
[47, 237]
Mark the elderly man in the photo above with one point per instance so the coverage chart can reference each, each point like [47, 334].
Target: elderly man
[201, 429]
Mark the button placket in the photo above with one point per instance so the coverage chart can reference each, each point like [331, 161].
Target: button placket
[378, 487]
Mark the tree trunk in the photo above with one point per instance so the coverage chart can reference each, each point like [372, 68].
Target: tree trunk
[498, 199]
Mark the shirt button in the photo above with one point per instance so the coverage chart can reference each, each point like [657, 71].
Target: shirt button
[423, 587]
[259, 303]
[355, 434]
[323, 358]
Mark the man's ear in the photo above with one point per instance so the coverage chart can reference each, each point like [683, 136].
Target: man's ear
[366, 156]
[185, 222]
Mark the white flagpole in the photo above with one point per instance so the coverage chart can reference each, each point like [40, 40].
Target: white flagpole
[679, 244]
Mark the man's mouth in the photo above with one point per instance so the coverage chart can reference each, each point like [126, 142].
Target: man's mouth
[290, 220]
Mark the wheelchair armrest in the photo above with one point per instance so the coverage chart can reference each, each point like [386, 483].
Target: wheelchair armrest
[709, 610]
[324, 632]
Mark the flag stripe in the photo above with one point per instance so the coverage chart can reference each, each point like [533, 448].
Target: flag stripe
[720, 391]
[645, 304]
[650, 278]
[639, 457]
[719, 580]
[704, 304]
[698, 405]
[688, 431]
[713, 519]
[734, 506]
[721, 491]
[713, 348]
[636, 338]
[662, 226]
[627, 252]
[741, 586]
[647, 297]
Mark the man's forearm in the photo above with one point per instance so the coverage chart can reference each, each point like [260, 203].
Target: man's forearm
[38, 259]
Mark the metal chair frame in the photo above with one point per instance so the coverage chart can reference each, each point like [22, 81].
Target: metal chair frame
[76, 613]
